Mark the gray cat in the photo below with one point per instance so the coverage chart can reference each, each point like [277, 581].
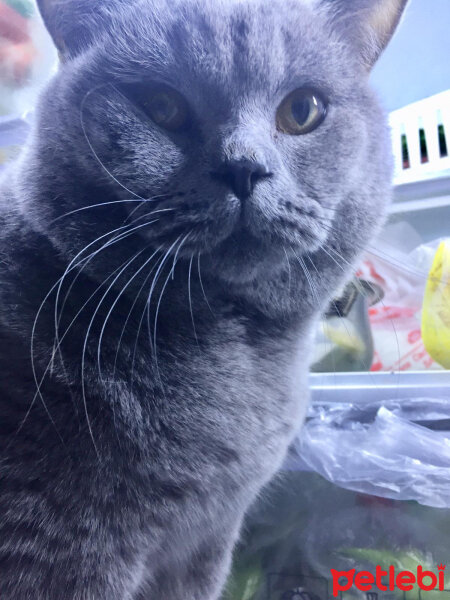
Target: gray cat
[202, 175]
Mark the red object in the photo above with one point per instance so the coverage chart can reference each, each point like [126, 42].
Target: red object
[13, 27]
[15, 61]
[16, 48]
[403, 580]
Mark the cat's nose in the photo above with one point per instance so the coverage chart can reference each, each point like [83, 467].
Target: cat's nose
[241, 176]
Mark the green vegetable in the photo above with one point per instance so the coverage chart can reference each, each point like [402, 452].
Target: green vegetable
[244, 583]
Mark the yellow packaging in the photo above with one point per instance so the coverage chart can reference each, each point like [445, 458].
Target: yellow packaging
[436, 308]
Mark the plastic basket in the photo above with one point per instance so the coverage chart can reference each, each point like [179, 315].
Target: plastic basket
[421, 139]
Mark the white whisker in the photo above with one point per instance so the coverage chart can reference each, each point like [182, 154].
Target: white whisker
[152, 199]
[154, 282]
[149, 214]
[161, 297]
[190, 300]
[114, 304]
[87, 260]
[308, 278]
[138, 295]
[83, 356]
[83, 208]
[139, 329]
[201, 284]
[97, 158]
[289, 270]
[39, 384]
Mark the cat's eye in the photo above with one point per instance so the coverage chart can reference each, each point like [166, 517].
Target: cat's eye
[301, 112]
[164, 105]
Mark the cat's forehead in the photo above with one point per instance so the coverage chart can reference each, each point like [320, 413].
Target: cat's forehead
[236, 43]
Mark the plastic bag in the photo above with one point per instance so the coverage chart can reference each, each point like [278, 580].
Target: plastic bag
[401, 272]
[303, 526]
[381, 330]
[398, 450]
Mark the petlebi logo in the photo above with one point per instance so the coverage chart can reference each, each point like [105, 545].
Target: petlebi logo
[382, 581]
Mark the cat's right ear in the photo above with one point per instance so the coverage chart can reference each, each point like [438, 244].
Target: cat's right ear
[73, 24]
[369, 24]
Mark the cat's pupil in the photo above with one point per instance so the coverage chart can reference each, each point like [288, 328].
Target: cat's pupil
[301, 110]
[163, 108]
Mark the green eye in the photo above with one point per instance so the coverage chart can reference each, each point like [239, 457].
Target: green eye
[164, 105]
[301, 112]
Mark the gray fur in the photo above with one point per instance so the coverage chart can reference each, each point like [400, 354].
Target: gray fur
[131, 481]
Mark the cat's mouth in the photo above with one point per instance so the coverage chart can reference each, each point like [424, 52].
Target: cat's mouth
[255, 233]
[245, 238]
[249, 252]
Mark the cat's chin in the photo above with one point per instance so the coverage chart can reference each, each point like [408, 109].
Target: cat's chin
[243, 258]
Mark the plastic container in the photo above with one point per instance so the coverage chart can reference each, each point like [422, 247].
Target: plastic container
[421, 146]
[421, 139]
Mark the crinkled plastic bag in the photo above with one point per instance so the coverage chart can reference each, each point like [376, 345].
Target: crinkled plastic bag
[401, 272]
[395, 450]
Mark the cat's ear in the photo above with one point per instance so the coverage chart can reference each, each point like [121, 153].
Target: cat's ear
[73, 24]
[369, 23]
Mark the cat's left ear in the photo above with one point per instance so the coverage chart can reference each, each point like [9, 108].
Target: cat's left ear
[74, 24]
[369, 23]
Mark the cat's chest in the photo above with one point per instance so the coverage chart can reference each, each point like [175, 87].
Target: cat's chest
[229, 370]
[214, 402]
[219, 429]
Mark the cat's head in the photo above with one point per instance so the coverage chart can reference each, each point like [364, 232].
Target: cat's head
[248, 124]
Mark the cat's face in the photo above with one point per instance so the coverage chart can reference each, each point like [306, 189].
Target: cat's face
[249, 125]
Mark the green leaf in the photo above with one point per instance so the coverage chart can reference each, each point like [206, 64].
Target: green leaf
[244, 583]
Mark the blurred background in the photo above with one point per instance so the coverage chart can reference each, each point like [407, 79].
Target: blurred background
[416, 65]
[26, 56]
